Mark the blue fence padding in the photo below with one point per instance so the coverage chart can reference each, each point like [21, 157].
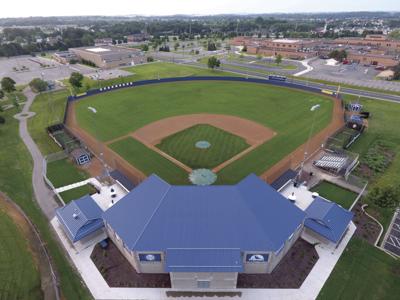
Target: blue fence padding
[191, 78]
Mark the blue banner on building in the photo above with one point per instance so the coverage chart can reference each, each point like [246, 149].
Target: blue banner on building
[150, 257]
[257, 257]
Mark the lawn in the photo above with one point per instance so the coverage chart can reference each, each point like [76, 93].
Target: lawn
[63, 172]
[363, 272]
[384, 125]
[123, 111]
[335, 193]
[49, 109]
[182, 146]
[77, 193]
[151, 71]
[16, 182]
[19, 276]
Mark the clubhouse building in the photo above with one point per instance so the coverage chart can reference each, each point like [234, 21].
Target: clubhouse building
[204, 236]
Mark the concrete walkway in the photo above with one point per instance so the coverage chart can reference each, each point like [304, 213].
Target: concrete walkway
[43, 195]
[307, 66]
[75, 185]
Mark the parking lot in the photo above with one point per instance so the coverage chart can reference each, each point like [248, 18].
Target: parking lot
[24, 68]
[355, 74]
[392, 241]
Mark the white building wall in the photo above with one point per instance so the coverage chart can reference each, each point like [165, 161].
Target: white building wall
[215, 281]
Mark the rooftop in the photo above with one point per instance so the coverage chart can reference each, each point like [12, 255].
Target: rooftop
[250, 215]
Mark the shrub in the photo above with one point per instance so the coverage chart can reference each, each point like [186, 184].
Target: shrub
[387, 196]
[2, 120]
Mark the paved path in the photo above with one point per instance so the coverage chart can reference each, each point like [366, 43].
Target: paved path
[44, 196]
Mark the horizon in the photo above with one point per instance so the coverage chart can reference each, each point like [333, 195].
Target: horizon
[160, 8]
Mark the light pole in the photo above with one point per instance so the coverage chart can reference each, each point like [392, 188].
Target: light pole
[312, 109]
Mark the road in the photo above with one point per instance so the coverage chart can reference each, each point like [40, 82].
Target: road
[44, 196]
[304, 82]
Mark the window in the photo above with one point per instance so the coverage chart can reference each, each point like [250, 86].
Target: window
[203, 284]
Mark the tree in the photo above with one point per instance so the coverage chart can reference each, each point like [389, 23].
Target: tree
[145, 47]
[396, 75]
[259, 56]
[150, 59]
[2, 120]
[211, 46]
[176, 46]
[339, 55]
[244, 49]
[387, 196]
[8, 84]
[213, 62]
[76, 79]
[38, 85]
[278, 59]
[1, 94]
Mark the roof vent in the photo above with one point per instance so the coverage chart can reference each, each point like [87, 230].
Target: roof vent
[75, 215]
[292, 198]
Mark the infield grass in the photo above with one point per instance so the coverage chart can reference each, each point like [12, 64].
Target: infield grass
[286, 111]
[182, 146]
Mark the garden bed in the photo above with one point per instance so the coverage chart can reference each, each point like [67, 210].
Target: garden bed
[118, 272]
[289, 274]
[367, 229]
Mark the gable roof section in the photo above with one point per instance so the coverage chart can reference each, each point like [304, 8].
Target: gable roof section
[203, 260]
[327, 219]
[80, 218]
[251, 215]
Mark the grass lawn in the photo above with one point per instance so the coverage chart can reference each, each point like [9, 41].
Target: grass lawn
[77, 193]
[63, 172]
[19, 276]
[49, 109]
[149, 161]
[384, 125]
[363, 272]
[271, 106]
[151, 71]
[224, 146]
[16, 182]
[335, 193]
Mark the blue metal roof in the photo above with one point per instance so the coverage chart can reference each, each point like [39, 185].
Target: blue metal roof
[251, 215]
[283, 179]
[80, 218]
[327, 219]
[204, 260]
[125, 181]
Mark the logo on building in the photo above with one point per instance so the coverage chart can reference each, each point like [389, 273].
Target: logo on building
[149, 257]
[256, 257]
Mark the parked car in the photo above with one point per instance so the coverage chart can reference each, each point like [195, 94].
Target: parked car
[380, 68]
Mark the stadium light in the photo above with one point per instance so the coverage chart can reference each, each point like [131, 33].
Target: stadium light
[312, 109]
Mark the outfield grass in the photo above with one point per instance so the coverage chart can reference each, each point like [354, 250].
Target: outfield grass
[16, 182]
[363, 272]
[224, 146]
[151, 71]
[148, 161]
[19, 276]
[286, 111]
[49, 109]
[63, 172]
[335, 193]
[77, 193]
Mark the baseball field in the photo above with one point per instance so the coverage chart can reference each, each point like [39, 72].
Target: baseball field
[121, 114]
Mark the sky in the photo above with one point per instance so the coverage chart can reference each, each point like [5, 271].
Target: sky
[26, 8]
